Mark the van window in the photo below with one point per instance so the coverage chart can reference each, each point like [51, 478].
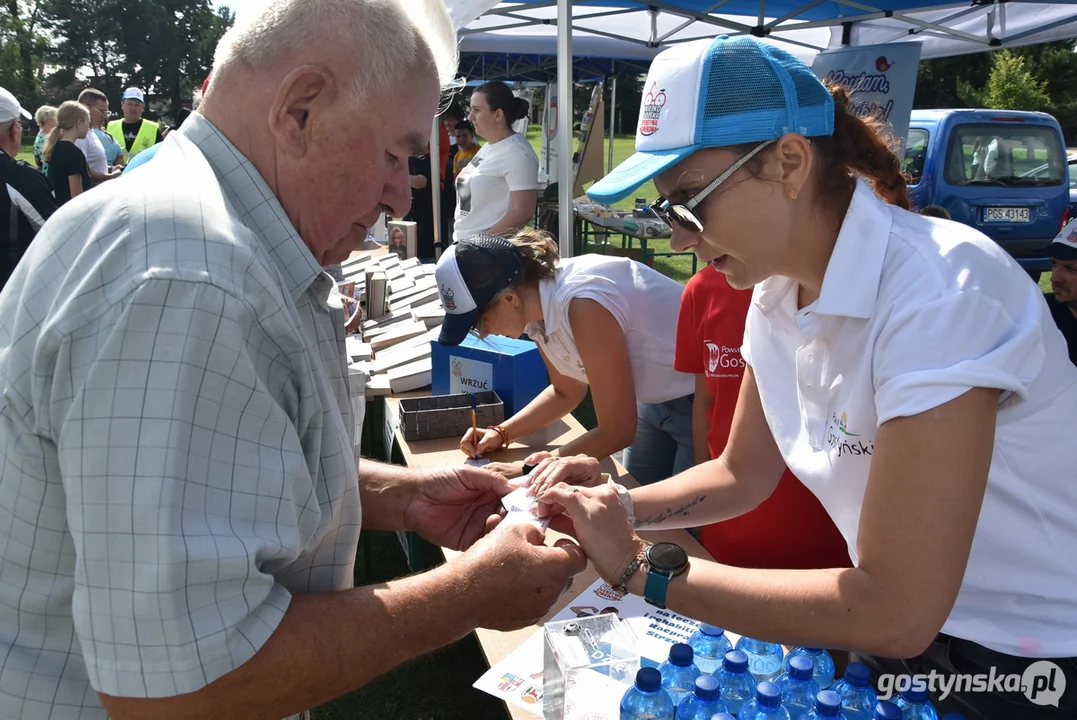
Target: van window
[915, 152]
[1009, 155]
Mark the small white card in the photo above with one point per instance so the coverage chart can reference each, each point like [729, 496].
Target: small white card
[523, 509]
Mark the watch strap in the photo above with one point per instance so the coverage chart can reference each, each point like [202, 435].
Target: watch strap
[654, 592]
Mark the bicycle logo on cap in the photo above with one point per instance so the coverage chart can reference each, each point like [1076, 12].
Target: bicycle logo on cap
[653, 102]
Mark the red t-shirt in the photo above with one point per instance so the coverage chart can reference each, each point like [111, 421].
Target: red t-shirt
[790, 529]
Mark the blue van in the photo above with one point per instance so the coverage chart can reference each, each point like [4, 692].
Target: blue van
[1003, 172]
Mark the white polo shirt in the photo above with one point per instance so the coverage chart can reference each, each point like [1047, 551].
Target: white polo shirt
[914, 312]
[643, 301]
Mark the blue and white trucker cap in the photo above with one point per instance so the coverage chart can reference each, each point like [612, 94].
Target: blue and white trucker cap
[717, 93]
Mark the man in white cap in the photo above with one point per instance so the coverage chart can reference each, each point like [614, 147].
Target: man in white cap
[133, 132]
[27, 200]
[1063, 298]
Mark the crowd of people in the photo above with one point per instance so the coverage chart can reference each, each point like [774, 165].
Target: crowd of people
[866, 409]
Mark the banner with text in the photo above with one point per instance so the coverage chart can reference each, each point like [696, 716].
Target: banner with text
[881, 80]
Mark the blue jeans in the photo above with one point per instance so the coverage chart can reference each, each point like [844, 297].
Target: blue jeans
[663, 444]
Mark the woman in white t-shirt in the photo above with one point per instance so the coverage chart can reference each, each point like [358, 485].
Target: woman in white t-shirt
[496, 193]
[903, 367]
[601, 323]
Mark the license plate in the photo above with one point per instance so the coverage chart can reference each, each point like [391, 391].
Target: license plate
[1006, 214]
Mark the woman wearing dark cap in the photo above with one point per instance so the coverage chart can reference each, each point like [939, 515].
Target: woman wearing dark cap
[604, 324]
[496, 193]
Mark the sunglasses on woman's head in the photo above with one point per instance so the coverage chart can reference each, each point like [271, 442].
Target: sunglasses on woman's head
[683, 213]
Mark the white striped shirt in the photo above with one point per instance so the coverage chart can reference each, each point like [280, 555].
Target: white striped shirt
[176, 438]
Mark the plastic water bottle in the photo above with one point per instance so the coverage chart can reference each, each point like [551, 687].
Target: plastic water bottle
[766, 705]
[915, 703]
[885, 710]
[710, 645]
[727, 716]
[858, 698]
[704, 703]
[679, 673]
[735, 682]
[827, 707]
[799, 688]
[822, 664]
[764, 658]
[646, 700]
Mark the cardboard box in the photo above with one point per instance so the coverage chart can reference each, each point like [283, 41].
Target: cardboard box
[511, 368]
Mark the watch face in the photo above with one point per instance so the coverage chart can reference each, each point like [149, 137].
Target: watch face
[667, 557]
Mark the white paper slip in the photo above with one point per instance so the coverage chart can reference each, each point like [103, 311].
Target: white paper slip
[522, 509]
[477, 462]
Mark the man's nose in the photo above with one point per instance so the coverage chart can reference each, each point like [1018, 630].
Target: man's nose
[396, 195]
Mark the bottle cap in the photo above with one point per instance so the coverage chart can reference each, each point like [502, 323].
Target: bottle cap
[800, 668]
[727, 716]
[886, 711]
[767, 694]
[681, 655]
[712, 630]
[813, 651]
[707, 687]
[828, 703]
[857, 674]
[735, 661]
[648, 679]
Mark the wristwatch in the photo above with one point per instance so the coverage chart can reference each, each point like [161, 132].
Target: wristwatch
[665, 561]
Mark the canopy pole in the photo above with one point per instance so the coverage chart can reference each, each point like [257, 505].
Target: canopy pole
[565, 211]
[435, 181]
[613, 121]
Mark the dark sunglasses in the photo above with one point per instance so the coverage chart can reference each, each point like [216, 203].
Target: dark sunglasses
[682, 213]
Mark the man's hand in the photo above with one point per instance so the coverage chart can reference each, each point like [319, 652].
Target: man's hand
[516, 578]
[453, 507]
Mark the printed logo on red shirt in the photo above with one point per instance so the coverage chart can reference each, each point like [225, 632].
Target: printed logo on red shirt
[723, 361]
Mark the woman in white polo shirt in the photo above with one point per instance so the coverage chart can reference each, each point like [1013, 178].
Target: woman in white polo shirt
[903, 367]
[601, 323]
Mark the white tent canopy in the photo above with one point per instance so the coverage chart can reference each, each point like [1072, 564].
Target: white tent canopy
[628, 28]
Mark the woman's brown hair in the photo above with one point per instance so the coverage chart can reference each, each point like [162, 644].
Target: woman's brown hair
[858, 147]
[540, 256]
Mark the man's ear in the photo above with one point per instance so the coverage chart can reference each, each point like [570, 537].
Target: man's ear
[302, 100]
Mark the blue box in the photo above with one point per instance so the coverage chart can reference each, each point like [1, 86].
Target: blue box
[511, 368]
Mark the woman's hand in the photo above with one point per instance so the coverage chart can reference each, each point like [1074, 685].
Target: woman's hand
[600, 524]
[551, 470]
[487, 441]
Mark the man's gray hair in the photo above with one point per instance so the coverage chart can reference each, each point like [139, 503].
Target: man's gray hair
[387, 35]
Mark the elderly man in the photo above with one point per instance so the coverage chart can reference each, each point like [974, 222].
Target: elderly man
[26, 201]
[179, 498]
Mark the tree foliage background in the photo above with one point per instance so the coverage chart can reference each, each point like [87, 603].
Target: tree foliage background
[51, 49]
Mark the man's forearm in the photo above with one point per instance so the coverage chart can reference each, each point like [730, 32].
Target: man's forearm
[701, 495]
[327, 645]
[385, 491]
[99, 177]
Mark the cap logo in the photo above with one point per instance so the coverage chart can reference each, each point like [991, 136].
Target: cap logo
[653, 102]
[1071, 238]
[447, 298]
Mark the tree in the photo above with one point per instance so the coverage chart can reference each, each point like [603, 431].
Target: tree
[1012, 87]
[21, 49]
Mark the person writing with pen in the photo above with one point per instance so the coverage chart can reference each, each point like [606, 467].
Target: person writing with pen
[903, 367]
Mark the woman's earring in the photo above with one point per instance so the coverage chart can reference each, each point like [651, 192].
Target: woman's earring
[792, 194]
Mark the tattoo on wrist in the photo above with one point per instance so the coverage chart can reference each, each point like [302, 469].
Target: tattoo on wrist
[661, 517]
